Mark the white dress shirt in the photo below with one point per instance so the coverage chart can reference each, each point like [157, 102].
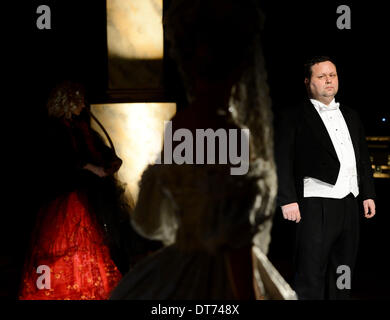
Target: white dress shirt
[338, 131]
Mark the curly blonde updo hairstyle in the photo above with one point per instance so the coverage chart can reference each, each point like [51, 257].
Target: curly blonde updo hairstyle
[64, 99]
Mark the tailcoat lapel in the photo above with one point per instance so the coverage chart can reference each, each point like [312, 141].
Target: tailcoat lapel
[318, 127]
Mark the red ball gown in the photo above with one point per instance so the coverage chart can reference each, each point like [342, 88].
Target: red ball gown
[71, 245]
[72, 232]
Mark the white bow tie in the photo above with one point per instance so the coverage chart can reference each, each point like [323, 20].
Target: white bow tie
[322, 107]
[333, 106]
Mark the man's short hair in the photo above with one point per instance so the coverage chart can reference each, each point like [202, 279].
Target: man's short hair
[312, 61]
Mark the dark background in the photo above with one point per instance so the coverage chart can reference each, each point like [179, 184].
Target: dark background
[76, 47]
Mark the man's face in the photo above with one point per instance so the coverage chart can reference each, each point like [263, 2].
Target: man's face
[324, 83]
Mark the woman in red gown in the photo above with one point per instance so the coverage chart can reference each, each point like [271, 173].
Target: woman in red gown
[83, 233]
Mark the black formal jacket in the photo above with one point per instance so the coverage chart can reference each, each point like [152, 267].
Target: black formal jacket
[303, 148]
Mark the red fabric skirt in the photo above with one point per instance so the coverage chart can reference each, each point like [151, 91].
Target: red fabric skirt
[68, 241]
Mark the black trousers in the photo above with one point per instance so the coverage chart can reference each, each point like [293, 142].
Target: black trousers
[326, 247]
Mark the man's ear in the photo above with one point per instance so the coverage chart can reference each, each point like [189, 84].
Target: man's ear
[306, 81]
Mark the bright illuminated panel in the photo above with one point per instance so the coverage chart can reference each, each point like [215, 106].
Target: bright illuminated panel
[136, 130]
[135, 43]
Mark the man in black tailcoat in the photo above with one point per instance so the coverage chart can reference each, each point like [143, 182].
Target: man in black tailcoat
[323, 165]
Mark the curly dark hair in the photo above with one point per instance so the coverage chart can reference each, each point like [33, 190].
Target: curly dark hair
[65, 98]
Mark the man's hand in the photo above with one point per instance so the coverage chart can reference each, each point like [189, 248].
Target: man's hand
[369, 208]
[291, 212]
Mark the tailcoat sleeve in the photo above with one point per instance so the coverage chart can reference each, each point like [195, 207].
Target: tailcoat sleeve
[285, 135]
